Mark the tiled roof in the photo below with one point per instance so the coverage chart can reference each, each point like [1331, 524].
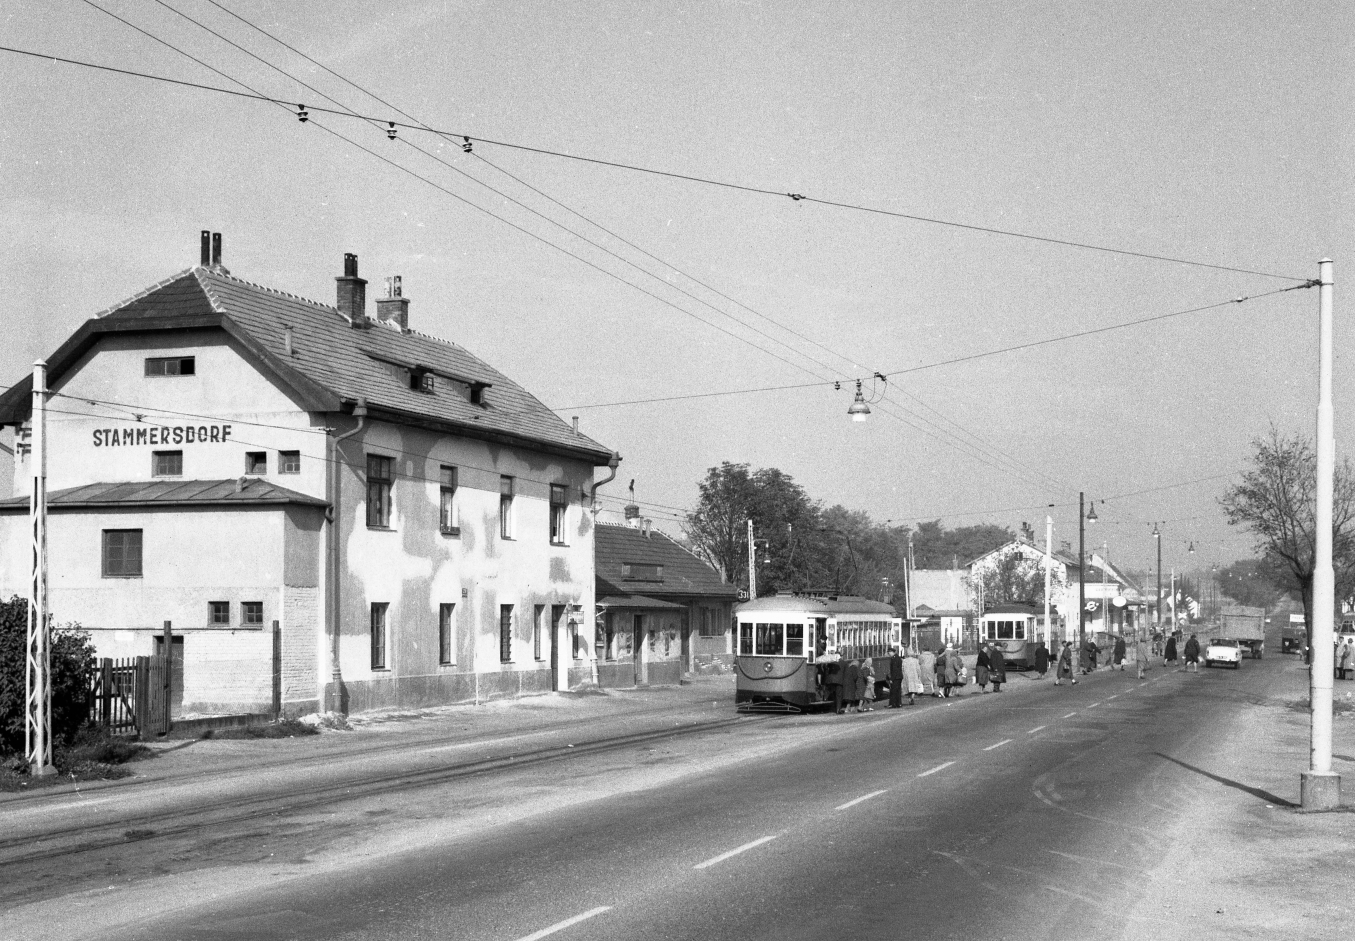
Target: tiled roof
[242, 492]
[683, 573]
[332, 363]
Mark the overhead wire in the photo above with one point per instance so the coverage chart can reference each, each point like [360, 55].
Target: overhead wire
[981, 453]
[691, 178]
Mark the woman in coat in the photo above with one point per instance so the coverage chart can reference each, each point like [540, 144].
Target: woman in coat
[865, 690]
[997, 666]
[1084, 657]
[927, 668]
[1041, 659]
[1065, 667]
[912, 678]
[1193, 654]
[953, 667]
[981, 670]
[1170, 656]
[1117, 658]
[851, 681]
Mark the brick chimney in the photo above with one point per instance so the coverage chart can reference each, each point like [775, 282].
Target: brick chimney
[352, 291]
[394, 307]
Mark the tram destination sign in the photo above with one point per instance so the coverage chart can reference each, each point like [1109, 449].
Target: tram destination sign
[144, 435]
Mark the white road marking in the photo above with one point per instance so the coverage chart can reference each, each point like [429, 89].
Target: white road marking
[1070, 715]
[998, 745]
[562, 925]
[85, 802]
[1093, 705]
[734, 852]
[1034, 730]
[936, 769]
[1109, 698]
[860, 799]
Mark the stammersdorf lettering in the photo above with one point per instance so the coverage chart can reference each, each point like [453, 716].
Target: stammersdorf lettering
[157, 435]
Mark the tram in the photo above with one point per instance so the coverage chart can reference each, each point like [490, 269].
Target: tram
[781, 638]
[1016, 629]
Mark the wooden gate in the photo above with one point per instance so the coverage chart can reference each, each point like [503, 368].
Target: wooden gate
[127, 697]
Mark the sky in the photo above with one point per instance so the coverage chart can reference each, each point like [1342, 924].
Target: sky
[1209, 132]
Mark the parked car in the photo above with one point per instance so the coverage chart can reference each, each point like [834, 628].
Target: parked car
[1223, 650]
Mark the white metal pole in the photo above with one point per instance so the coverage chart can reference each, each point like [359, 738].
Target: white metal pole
[1321, 787]
[38, 674]
[752, 563]
[1048, 578]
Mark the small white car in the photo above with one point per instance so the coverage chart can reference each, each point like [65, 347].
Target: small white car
[1223, 650]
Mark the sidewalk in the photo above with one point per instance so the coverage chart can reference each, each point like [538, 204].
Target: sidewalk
[1245, 863]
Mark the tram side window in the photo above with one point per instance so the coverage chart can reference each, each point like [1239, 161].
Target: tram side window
[746, 639]
[770, 638]
[820, 638]
[795, 640]
[1020, 630]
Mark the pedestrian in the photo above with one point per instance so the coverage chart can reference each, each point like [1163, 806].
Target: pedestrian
[1343, 661]
[951, 677]
[912, 677]
[896, 679]
[1041, 659]
[832, 678]
[981, 669]
[851, 683]
[1095, 653]
[1142, 655]
[1169, 658]
[866, 686]
[926, 663]
[997, 666]
[1084, 657]
[1065, 666]
[1193, 655]
[942, 656]
[1117, 658]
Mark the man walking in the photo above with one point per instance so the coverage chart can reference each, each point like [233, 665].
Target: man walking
[1193, 655]
[1141, 654]
[997, 667]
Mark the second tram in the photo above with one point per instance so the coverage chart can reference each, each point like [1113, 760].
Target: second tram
[781, 638]
[1017, 629]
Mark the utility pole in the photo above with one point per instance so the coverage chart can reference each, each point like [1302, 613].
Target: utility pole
[752, 563]
[1048, 578]
[1320, 787]
[1157, 601]
[1081, 571]
[38, 672]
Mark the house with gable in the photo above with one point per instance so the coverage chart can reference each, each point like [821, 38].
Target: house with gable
[314, 507]
[661, 610]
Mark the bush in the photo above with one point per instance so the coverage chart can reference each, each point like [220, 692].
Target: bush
[72, 661]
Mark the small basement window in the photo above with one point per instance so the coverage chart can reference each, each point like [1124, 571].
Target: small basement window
[256, 462]
[170, 366]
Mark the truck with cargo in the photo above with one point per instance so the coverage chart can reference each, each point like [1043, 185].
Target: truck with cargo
[1293, 634]
[1247, 626]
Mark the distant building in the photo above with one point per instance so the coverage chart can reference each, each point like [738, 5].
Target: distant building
[661, 611]
[940, 602]
[237, 461]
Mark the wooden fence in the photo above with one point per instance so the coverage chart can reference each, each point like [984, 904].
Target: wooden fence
[129, 696]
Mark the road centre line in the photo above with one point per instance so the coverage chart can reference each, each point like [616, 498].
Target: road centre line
[860, 799]
[1093, 705]
[936, 769]
[562, 925]
[1034, 730]
[734, 852]
[1070, 715]
[1108, 698]
[998, 745]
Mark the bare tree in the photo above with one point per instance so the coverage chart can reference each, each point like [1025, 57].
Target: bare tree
[1277, 500]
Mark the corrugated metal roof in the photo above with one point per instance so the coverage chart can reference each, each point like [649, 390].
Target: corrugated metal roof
[242, 492]
[683, 573]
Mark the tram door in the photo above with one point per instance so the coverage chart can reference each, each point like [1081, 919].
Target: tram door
[638, 649]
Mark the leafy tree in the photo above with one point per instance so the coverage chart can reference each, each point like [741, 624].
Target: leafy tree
[72, 661]
[1277, 500]
[935, 547]
[1251, 582]
[1012, 578]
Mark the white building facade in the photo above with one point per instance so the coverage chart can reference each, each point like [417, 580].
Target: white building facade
[330, 510]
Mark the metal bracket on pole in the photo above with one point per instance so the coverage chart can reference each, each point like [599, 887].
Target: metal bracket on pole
[38, 672]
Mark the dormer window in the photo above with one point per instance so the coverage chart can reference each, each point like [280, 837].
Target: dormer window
[477, 394]
[642, 571]
[422, 381]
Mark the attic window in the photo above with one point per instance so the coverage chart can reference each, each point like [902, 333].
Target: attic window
[642, 571]
[170, 366]
[421, 381]
[477, 394]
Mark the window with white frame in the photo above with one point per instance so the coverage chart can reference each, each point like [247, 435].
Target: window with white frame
[558, 507]
[446, 634]
[447, 518]
[506, 507]
[378, 635]
[380, 477]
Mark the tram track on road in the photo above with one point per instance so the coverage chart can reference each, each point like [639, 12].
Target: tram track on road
[150, 826]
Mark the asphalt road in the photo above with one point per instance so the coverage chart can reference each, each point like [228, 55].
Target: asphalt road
[1044, 812]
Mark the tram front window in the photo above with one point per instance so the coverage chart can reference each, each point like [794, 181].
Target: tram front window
[795, 640]
[770, 639]
[745, 639]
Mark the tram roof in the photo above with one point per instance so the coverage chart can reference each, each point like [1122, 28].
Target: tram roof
[1013, 608]
[819, 604]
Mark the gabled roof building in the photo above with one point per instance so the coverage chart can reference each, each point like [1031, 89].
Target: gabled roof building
[331, 510]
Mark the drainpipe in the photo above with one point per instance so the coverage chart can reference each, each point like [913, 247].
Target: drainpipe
[337, 701]
[612, 465]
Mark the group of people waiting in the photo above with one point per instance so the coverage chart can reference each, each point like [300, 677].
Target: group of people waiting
[1343, 657]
